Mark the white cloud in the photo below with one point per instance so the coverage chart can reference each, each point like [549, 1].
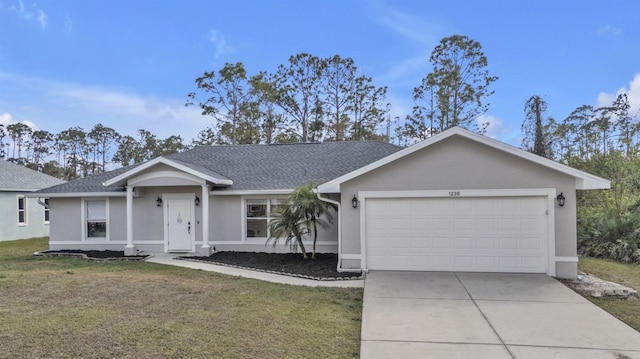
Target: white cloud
[42, 19]
[633, 94]
[68, 24]
[62, 105]
[609, 29]
[408, 72]
[494, 127]
[7, 119]
[220, 43]
[31, 13]
[424, 32]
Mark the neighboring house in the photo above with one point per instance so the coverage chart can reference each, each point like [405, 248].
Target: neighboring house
[22, 217]
[455, 202]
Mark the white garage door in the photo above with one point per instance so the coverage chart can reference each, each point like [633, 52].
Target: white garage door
[481, 234]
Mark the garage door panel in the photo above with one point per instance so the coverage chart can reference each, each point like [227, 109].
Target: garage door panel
[497, 234]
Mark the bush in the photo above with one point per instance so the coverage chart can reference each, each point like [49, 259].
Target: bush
[611, 237]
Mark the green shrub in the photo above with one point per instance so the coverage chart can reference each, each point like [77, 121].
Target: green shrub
[611, 237]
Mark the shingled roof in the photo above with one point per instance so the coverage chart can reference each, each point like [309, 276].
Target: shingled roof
[259, 167]
[16, 178]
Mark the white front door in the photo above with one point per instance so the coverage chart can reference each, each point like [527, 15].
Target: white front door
[180, 224]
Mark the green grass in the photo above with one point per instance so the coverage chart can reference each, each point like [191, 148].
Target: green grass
[626, 274]
[68, 308]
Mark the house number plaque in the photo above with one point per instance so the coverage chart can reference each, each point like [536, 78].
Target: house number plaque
[454, 193]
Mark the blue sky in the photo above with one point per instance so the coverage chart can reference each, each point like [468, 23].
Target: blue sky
[130, 64]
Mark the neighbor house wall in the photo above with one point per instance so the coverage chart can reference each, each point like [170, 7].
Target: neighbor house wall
[9, 227]
[457, 163]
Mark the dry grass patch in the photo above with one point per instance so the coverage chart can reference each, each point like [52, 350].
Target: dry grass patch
[68, 308]
[627, 310]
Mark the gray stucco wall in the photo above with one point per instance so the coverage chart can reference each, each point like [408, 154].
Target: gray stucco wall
[458, 163]
[225, 223]
[9, 228]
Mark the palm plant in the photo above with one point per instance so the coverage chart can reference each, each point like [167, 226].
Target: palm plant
[287, 222]
[299, 215]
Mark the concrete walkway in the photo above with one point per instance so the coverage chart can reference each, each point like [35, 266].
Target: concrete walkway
[480, 315]
[269, 277]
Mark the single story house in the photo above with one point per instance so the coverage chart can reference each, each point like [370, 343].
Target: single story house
[22, 217]
[457, 201]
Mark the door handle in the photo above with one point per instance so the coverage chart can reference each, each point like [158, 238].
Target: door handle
[188, 227]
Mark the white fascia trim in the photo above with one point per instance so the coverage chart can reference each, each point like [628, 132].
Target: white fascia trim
[511, 192]
[567, 259]
[251, 192]
[104, 242]
[78, 194]
[583, 180]
[19, 189]
[124, 176]
[263, 241]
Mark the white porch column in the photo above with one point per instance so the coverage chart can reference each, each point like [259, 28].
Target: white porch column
[205, 220]
[129, 250]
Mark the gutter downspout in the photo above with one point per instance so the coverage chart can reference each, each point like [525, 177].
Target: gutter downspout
[339, 266]
[42, 203]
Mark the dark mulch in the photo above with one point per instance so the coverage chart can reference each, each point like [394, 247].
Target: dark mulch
[95, 254]
[322, 266]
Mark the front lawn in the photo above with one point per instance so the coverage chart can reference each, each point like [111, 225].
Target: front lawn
[627, 310]
[69, 308]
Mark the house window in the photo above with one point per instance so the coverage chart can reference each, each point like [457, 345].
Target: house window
[46, 211]
[258, 213]
[96, 218]
[22, 211]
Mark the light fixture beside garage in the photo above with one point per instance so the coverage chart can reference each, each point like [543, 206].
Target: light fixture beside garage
[354, 201]
[560, 199]
[159, 202]
[197, 201]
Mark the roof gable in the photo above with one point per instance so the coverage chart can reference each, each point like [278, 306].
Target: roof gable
[189, 168]
[14, 177]
[583, 180]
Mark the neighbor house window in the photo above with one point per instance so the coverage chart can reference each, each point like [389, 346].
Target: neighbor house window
[259, 213]
[46, 210]
[96, 218]
[22, 211]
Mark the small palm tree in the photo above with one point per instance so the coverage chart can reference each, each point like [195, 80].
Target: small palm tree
[301, 214]
[287, 222]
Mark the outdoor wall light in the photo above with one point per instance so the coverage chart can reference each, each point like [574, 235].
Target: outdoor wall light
[354, 201]
[560, 199]
[159, 202]
[197, 200]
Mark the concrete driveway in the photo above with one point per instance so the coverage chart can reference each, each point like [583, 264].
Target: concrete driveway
[485, 315]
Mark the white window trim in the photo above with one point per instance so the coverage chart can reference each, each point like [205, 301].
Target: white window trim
[83, 223]
[243, 209]
[45, 209]
[25, 210]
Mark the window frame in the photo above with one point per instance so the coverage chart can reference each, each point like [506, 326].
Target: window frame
[270, 201]
[24, 210]
[84, 221]
[46, 214]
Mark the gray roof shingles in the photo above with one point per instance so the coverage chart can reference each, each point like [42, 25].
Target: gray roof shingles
[260, 167]
[19, 178]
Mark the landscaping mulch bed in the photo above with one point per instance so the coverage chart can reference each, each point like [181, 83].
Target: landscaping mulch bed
[322, 267]
[92, 255]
